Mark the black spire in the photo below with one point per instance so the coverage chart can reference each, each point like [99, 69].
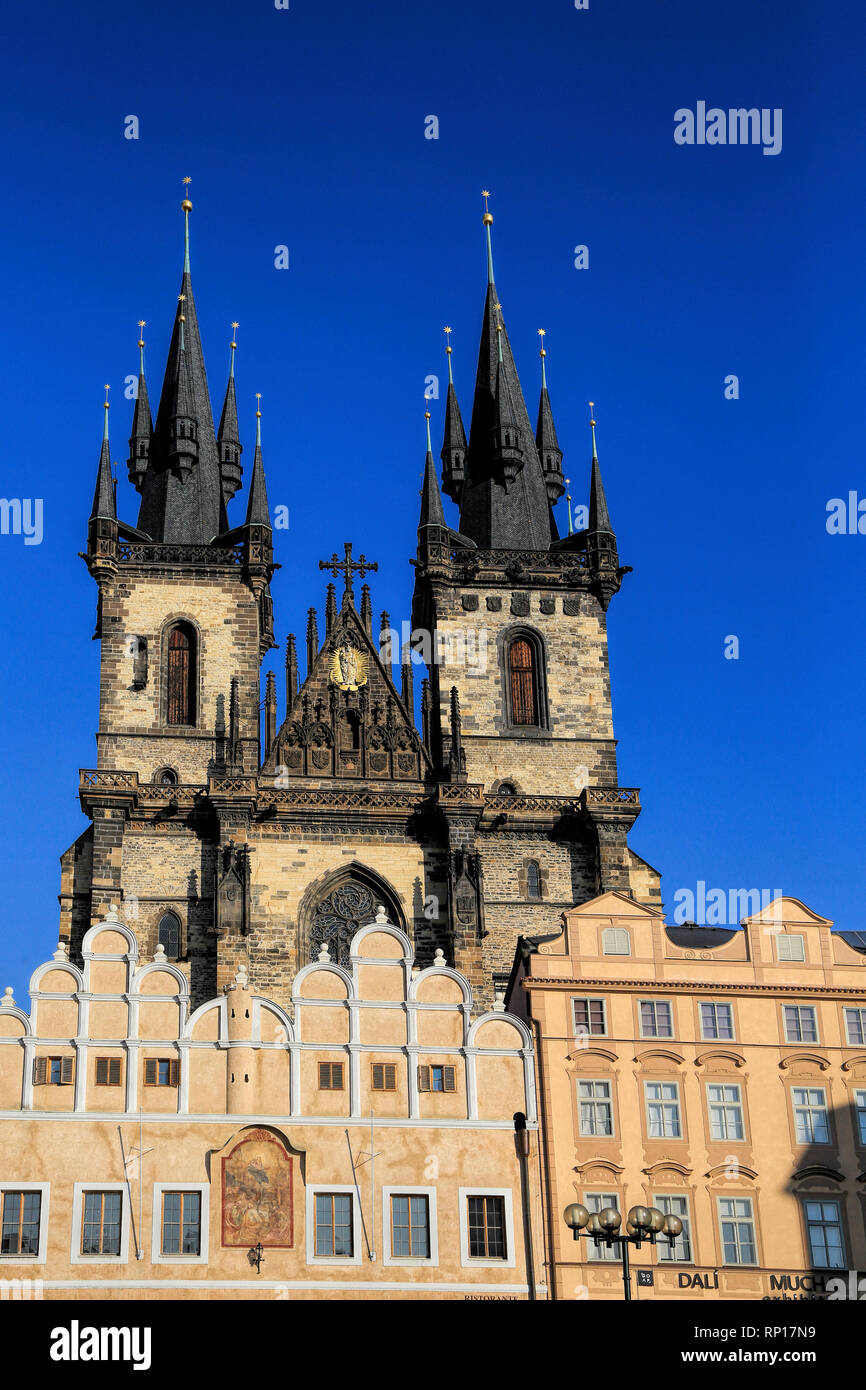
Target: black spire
[601, 551]
[599, 516]
[546, 441]
[181, 496]
[504, 503]
[142, 425]
[453, 453]
[258, 513]
[228, 439]
[104, 504]
[432, 511]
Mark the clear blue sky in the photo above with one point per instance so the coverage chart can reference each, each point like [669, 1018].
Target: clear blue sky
[306, 128]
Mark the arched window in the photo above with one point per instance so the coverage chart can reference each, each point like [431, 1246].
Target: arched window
[165, 777]
[522, 674]
[533, 880]
[615, 941]
[169, 935]
[181, 675]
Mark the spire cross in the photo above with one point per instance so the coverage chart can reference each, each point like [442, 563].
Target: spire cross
[348, 567]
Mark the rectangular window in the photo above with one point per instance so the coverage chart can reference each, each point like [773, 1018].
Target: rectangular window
[726, 1112]
[100, 1228]
[410, 1227]
[860, 1111]
[161, 1071]
[737, 1228]
[596, 1202]
[22, 1212]
[790, 948]
[811, 1123]
[53, 1071]
[824, 1229]
[855, 1027]
[108, 1071]
[589, 1017]
[717, 1022]
[181, 1223]
[595, 1108]
[334, 1233]
[656, 1018]
[437, 1079]
[663, 1109]
[384, 1076]
[681, 1250]
[330, 1076]
[487, 1228]
[801, 1024]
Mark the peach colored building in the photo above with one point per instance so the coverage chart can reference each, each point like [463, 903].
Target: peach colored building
[717, 1074]
[362, 1146]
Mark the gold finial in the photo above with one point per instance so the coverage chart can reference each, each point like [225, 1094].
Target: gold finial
[258, 403]
[186, 205]
[497, 308]
[180, 300]
[447, 332]
[107, 389]
[591, 420]
[141, 324]
[235, 325]
[541, 332]
[488, 215]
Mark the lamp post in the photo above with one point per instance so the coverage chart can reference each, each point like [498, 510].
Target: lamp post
[642, 1224]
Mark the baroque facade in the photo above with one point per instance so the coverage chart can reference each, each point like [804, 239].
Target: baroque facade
[245, 846]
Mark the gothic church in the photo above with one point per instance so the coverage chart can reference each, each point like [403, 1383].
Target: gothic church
[241, 842]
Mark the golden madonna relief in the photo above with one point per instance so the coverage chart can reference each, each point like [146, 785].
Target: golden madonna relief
[348, 667]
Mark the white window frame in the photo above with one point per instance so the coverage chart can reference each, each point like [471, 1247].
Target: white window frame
[339, 1190]
[601, 1253]
[660, 1037]
[790, 960]
[726, 1104]
[618, 934]
[662, 1244]
[588, 999]
[78, 1191]
[860, 1114]
[407, 1261]
[738, 1264]
[479, 1261]
[662, 1138]
[594, 1101]
[811, 1109]
[854, 1009]
[825, 1201]
[716, 1004]
[156, 1255]
[803, 1042]
[44, 1189]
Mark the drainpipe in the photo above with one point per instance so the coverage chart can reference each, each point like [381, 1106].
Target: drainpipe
[521, 1144]
[548, 1232]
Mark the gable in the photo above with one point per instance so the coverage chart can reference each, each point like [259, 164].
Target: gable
[347, 720]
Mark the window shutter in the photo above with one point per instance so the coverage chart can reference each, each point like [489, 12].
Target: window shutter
[336, 1076]
[449, 1075]
[324, 1076]
[390, 1077]
[40, 1071]
[378, 1077]
[67, 1070]
[151, 1072]
[423, 1078]
[101, 1071]
[114, 1072]
[173, 1072]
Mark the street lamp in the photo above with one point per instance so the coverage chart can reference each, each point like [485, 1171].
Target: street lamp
[642, 1224]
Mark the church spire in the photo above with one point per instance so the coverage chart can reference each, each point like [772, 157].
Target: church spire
[504, 503]
[104, 505]
[142, 424]
[432, 512]
[181, 495]
[599, 516]
[228, 440]
[453, 454]
[546, 441]
[601, 552]
[258, 513]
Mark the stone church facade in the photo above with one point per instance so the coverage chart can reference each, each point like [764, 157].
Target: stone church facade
[246, 842]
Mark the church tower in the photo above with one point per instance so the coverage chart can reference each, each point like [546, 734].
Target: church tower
[513, 618]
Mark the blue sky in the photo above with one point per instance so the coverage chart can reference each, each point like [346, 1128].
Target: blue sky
[306, 127]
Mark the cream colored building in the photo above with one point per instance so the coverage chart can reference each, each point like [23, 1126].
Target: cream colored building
[718, 1074]
[363, 1145]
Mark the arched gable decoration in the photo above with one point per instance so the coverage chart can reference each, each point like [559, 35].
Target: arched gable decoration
[338, 907]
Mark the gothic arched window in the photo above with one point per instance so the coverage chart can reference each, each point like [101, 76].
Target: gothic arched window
[523, 681]
[533, 880]
[338, 917]
[180, 675]
[169, 935]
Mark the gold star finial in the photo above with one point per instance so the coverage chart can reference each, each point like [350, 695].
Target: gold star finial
[258, 403]
[541, 333]
[107, 389]
[186, 205]
[235, 325]
[447, 332]
[488, 216]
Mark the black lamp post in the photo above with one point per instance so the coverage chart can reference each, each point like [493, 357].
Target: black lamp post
[642, 1224]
